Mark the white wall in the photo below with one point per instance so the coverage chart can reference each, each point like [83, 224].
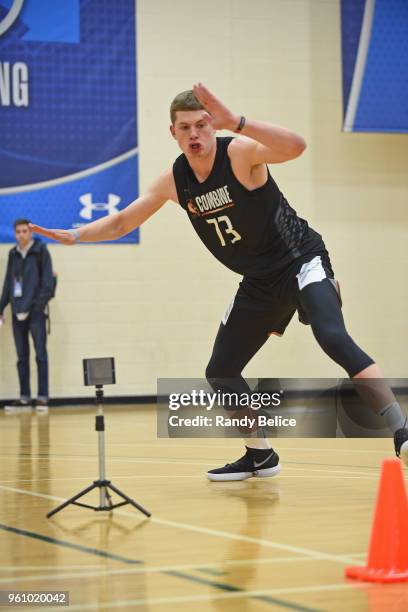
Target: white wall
[156, 307]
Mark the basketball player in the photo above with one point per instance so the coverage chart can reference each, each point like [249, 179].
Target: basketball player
[241, 216]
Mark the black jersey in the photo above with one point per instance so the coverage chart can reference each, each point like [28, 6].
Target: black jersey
[254, 233]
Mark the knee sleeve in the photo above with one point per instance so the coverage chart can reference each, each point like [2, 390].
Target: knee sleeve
[226, 381]
[219, 369]
[322, 306]
[338, 345]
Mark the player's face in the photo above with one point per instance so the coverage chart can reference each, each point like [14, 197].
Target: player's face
[23, 235]
[194, 133]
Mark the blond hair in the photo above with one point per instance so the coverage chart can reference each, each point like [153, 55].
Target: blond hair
[184, 101]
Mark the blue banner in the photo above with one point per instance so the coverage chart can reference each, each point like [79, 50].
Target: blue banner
[375, 65]
[68, 132]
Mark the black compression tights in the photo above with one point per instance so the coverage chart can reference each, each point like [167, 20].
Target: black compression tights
[246, 331]
[321, 304]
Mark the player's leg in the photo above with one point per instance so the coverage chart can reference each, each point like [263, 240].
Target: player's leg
[20, 333]
[320, 302]
[239, 337]
[373, 388]
[38, 332]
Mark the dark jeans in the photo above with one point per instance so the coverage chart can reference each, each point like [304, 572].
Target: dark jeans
[35, 324]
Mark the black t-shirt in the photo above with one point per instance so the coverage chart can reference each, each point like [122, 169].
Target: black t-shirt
[254, 233]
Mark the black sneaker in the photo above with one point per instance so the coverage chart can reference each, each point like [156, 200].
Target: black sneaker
[401, 444]
[259, 463]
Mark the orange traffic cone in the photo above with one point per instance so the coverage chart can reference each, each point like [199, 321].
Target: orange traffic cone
[388, 554]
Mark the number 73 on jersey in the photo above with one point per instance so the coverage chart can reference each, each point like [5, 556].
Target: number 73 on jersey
[226, 228]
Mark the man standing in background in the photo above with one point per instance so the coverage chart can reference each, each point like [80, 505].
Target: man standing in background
[28, 286]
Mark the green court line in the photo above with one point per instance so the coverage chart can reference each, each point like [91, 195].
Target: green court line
[50, 540]
[230, 588]
[212, 572]
[198, 580]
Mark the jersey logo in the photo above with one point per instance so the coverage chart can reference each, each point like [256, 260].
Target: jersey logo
[193, 208]
[211, 202]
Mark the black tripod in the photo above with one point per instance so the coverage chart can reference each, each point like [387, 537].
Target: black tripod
[105, 500]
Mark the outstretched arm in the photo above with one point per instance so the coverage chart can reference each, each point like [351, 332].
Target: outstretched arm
[119, 224]
[264, 142]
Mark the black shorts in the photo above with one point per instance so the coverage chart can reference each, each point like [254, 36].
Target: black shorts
[264, 308]
[277, 299]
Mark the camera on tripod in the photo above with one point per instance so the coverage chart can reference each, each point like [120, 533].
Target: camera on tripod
[98, 372]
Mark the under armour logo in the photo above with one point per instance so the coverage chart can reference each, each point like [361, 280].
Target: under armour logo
[89, 206]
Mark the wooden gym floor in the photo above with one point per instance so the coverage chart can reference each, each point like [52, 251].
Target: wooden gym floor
[252, 546]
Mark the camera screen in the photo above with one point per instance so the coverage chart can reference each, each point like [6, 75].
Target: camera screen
[99, 371]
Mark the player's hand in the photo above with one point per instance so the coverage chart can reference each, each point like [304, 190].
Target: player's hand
[221, 117]
[60, 235]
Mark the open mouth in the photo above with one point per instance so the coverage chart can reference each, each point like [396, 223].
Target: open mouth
[195, 146]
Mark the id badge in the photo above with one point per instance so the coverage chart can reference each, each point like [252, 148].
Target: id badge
[18, 288]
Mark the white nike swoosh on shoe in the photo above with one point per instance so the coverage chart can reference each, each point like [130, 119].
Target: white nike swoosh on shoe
[257, 465]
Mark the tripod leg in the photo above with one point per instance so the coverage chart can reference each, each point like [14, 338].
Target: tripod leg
[129, 500]
[108, 497]
[71, 500]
